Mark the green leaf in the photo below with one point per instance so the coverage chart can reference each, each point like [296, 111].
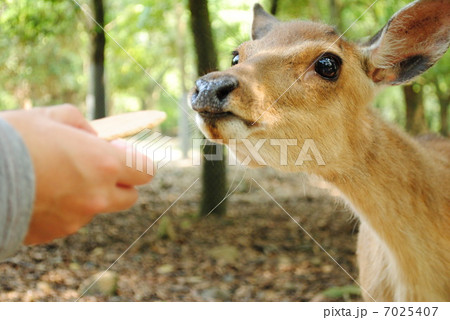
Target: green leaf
[342, 292]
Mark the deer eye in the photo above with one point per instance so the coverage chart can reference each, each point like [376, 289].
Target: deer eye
[235, 59]
[328, 66]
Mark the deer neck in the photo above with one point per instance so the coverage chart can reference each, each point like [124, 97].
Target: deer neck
[396, 192]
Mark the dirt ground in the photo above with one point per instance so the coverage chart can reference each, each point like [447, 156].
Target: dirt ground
[254, 253]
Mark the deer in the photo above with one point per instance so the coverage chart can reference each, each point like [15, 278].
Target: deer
[302, 80]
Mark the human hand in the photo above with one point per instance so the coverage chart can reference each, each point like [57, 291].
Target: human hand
[77, 174]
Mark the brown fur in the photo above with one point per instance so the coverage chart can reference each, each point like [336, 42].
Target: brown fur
[397, 186]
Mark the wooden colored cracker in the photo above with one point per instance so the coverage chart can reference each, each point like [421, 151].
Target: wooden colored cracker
[127, 124]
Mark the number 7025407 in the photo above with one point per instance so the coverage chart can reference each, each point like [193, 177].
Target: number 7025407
[410, 311]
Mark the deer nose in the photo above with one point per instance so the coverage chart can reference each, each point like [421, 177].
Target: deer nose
[211, 95]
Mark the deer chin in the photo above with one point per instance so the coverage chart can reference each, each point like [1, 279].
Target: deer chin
[224, 127]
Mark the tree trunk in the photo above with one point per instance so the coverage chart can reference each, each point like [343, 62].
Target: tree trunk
[183, 120]
[96, 101]
[274, 7]
[213, 172]
[203, 39]
[444, 102]
[335, 14]
[415, 111]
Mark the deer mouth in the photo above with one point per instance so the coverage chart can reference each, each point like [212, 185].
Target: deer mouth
[215, 115]
[211, 118]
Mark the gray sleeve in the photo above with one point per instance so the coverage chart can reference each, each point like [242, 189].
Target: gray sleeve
[17, 187]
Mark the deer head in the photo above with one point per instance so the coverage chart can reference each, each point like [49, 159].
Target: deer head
[301, 81]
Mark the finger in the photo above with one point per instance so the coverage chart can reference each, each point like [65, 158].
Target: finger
[137, 169]
[120, 144]
[135, 175]
[69, 115]
[123, 198]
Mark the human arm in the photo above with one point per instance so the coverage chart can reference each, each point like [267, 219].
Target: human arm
[16, 190]
[77, 175]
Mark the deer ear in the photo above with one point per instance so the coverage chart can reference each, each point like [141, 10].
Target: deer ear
[262, 22]
[413, 40]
